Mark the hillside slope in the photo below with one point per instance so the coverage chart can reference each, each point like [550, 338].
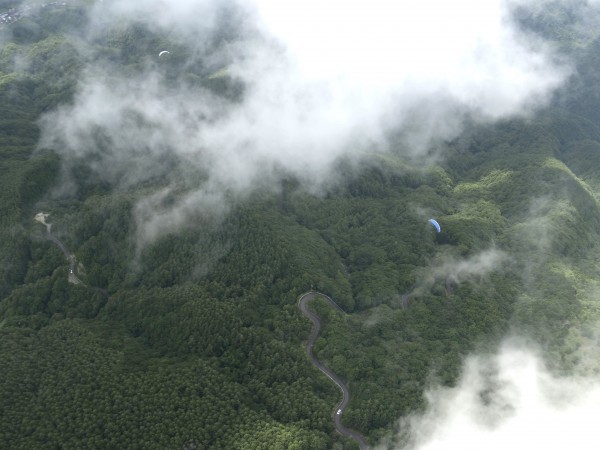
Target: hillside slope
[194, 339]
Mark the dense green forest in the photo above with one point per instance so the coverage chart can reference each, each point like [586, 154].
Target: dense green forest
[197, 342]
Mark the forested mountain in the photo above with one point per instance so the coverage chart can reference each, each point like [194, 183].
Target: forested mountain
[193, 339]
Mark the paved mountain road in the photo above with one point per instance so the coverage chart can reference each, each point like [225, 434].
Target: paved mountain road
[341, 407]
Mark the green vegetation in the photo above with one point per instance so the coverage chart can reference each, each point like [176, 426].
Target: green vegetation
[197, 342]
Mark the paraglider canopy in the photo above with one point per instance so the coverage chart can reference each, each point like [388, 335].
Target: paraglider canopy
[164, 52]
[435, 224]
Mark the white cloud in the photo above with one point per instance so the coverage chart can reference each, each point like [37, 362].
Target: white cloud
[153, 217]
[510, 401]
[454, 270]
[324, 80]
[466, 49]
[476, 266]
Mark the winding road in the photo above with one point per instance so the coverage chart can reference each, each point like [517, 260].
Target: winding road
[41, 217]
[341, 407]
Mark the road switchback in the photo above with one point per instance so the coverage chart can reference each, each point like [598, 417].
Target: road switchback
[340, 407]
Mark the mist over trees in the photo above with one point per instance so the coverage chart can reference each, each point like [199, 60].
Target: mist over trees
[196, 221]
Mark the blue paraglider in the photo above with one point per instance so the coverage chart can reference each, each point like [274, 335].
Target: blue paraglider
[435, 224]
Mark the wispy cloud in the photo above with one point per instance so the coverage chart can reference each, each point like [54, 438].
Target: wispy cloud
[509, 400]
[454, 270]
[323, 80]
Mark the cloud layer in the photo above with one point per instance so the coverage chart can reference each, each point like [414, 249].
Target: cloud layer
[323, 80]
[509, 401]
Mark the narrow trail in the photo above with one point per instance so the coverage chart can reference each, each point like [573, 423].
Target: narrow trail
[341, 407]
[41, 217]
